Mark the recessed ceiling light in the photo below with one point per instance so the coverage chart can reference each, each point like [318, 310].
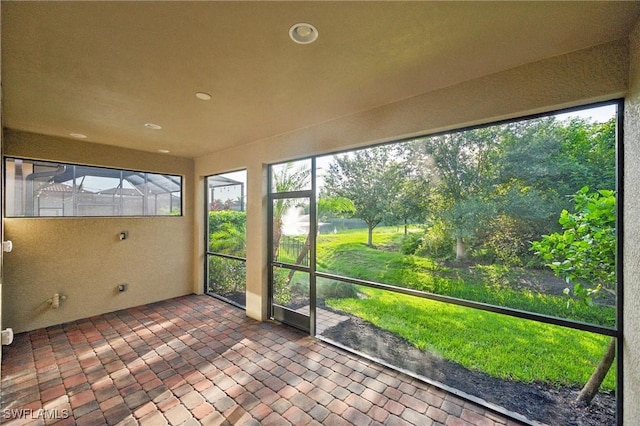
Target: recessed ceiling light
[303, 33]
[164, 151]
[152, 126]
[203, 96]
[78, 135]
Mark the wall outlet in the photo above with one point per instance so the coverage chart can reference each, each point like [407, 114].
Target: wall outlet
[123, 235]
[122, 287]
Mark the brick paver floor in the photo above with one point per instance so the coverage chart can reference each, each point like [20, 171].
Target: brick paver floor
[196, 360]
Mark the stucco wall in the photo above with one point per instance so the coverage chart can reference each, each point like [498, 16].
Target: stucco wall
[595, 74]
[631, 230]
[83, 258]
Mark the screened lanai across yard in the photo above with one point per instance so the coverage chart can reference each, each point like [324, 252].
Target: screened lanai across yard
[36, 188]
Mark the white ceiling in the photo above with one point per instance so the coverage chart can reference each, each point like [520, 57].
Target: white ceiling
[104, 69]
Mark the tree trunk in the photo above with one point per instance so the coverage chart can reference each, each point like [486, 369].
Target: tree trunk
[591, 388]
[277, 234]
[370, 237]
[461, 252]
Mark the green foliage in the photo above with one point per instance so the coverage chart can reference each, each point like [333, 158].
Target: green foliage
[371, 179]
[505, 243]
[345, 254]
[588, 151]
[282, 293]
[227, 232]
[411, 242]
[226, 276]
[499, 187]
[437, 242]
[463, 168]
[227, 235]
[330, 289]
[492, 189]
[498, 345]
[585, 252]
[560, 156]
[290, 287]
[232, 217]
[329, 207]
[543, 162]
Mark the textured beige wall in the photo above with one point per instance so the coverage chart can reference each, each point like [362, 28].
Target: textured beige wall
[595, 74]
[631, 235]
[83, 258]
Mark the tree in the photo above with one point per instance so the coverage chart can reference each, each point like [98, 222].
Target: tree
[331, 206]
[412, 200]
[462, 177]
[540, 163]
[557, 158]
[585, 255]
[589, 153]
[370, 178]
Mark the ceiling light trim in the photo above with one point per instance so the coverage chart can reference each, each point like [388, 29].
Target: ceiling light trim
[152, 126]
[303, 33]
[204, 96]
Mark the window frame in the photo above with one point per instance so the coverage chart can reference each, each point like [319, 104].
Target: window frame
[208, 252]
[175, 178]
[614, 332]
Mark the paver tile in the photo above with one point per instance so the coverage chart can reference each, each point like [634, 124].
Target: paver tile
[196, 360]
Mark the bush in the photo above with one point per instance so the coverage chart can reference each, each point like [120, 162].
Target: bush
[227, 232]
[335, 290]
[437, 243]
[411, 243]
[226, 276]
[507, 242]
[219, 217]
[282, 293]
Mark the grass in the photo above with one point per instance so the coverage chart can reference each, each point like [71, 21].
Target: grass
[346, 254]
[500, 346]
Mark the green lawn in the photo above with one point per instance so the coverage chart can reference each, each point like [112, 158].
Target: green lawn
[346, 254]
[499, 345]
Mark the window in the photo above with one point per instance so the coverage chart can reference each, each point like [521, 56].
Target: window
[226, 223]
[45, 189]
[452, 256]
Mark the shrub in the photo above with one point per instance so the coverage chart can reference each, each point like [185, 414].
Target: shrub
[226, 276]
[437, 242]
[335, 290]
[282, 293]
[219, 217]
[227, 232]
[411, 243]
